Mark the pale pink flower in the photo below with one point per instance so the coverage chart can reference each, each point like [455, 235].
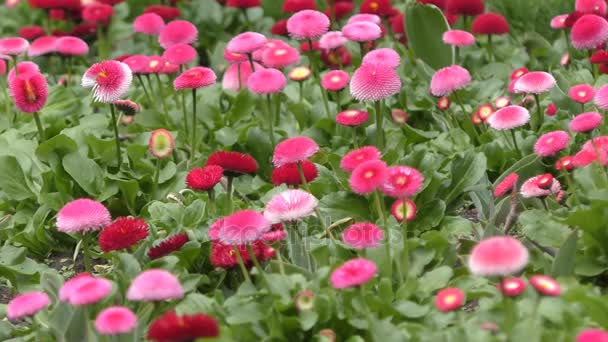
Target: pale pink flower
[534, 82]
[42, 46]
[534, 187]
[498, 256]
[280, 56]
[87, 290]
[449, 79]
[386, 56]
[149, 23]
[231, 76]
[374, 82]
[332, 40]
[294, 150]
[180, 54]
[458, 38]
[266, 81]
[601, 97]
[362, 31]
[110, 80]
[194, 78]
[155, 285]
[13, 46]
[246, 42]
[559, 21]
[27, 304]
[549, 144]
[177, 32]
[290, 205]
[368, 17]
[71, 46]
[585, 122]
[509, 117]
[83, 215]
[115, 320]
[307, 24]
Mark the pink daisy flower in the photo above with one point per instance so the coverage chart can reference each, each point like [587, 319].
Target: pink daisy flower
[180, 54]
[536, 187]
[266, 81]
[368, 176]
[110, 80]
[585, 122]
[449, 299]
[42, 46]
[23, 68]
[356, 157]
[234, 57]
[449, 79]
[27, 304]
[231, 76]
[353, 273]
[591, 6]
[155, 285]
[243, 227]
[399, 116]
[149, 23]
[498, 256]
[290, 205]
[559, 22]
[69, 286]
[269, 44]
[352, 117]
[294, 150]
[601, 97]
[137, 63]
[592, 335]
[29, 91]
[404, 210]
[115, 320]
[402, 181]
[512, 287]
[177, 32]
[161, 143]
[362, 235]
[280, 56]
[458, 38]
[71, 46]
[307, 24]
[549, 144]
[506, 185]
[362, 31]
[371, 18]
[581, 93]
[83, 215]
[332, 40]
[13, 46]
[535, 82]
[194, 78]
[509, 117]
[545, 285]
[335, 80]
[246, 42]
[588, 32]
[386, 56]
[155, 64]
[88, 290]
[374, 82]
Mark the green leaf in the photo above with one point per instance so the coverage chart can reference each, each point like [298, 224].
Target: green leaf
[425, 26]
[436, 279]
[59, 145]
[466, 171]
[563, 265]
[341, 204]
[85, 172]
[226, 136]
[542, 228]
[411, 310]
[13, 182]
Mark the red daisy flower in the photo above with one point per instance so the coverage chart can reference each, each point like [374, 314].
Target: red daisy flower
[204, 178]
[449, 299]
[506, 185]
[171, 327]
[168, 246]
[234, 163]
[512, 287]
[379, 7]
[290, 175]
[565, 163]
[123, 233]
[224, 256]
[166, 12]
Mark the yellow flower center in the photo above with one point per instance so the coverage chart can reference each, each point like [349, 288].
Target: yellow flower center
[450, 299]
[351, 113]
[153, 64]
[29, 91]
[335, 79]
[280, 52]
[401, 180]
[368, 174]
[582, 93]
[374, 5]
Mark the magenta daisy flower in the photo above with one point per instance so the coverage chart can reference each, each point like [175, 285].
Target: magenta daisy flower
[386, 56]
[592, 335]
[601, 97]
[402, 181]
[307, 24]
[294, 150]
[280, 56]
[509, 117]
[194, 78]
[137, 63]
[42, 46]
[29, 91]
[180, 54]
[362, 235]
[546, 286]
[535, 82]
[332, 40]
[352, 117]
[374, 82]
[368, 176]
[71, 46]
[335, 80]
[356, 157]
[549, 144]
[266, 81]
[506, 185]
[115, 320]
[362, 31]
[449, 299]
[512, 287]
[449, 79]
[243, 227]
[13, 46]
[588, 32]
[581, 93]
[498, 256]
[559, 21]
[540, 186]
[246, 42]
[149, 23]
[590, 6]
[110, 80]
[86, 290]
[458, 38]
[27, 304]
[353, 273]
[585, 122]
[83, 215]
[155, 285]
[177, 32]
[290, 205]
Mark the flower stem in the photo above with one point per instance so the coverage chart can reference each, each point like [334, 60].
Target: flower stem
[257, 264]
[211, 194]
[386, 229]
[301, 86]
[156, 176]
[406, 251]
[280, 261]
[193, 142]
[229, 194]
[490, 51]
[39, 127]
[539, 114]
[250, 58]
[116, 136]
[317, 211]
[354, 130]
[143, 86]
[379, 130]
[515, 142]
[270, 119]
[162, 93]
[239, 258]
[86, 253]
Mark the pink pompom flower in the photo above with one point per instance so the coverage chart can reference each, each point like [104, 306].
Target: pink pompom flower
[85, 290]
[506, 185]
[449, 299]
[155, 285]
[352, 117]
[29, 91]
[71, 46]
[545, 285]
[449, 79]
[332, 40]
[368, 176]
[83, 215]
[509, 117]
[402, 182]
[290, 205]
[354, 158]
[243, 227]
[335, 80]
[498, 256]
[42, 46]
[458, 38]
[27, 304]
[535, 82]
[592, 335]
[266, 81]
[280, 56]
[307, 24]
[585, 122]
[374, 82]
[362, 31]
[115, 320]
[13, 46]
[294, 150]
[180, 54]
[540, 186]
[581, 93]
[194, 78]
[559, 21]
[137, 63]
[353, 273]
[601, 97]
[246, 43]
[549, 144]
[110, 80]
[362, 235]
[177, 32]
[368, 17]
[591, 6]
[149, 24]
[588, 32]
[386, 56]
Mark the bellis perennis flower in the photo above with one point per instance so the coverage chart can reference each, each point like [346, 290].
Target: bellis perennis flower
[110, 80]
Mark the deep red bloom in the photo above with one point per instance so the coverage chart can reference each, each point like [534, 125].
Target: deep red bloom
[490, 23]
[166, 12]
[224, 256]
[565, 163]
[31, 32]
[243, 3]
[280, 28]
[234, 163]
[173, 328]
[382, 8]
[508, 184]
[66, 4]
[110, 2]
[289, 174]
[599, 57]
[204, 178]
[123, 233]
[97, 13]
[465, 7]
[57, 14]
[84, 30]
[29, 91]
[512, 286]
[293, 6]
[341, 9]
[551, 109]
[332, 58]
[168, 246]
